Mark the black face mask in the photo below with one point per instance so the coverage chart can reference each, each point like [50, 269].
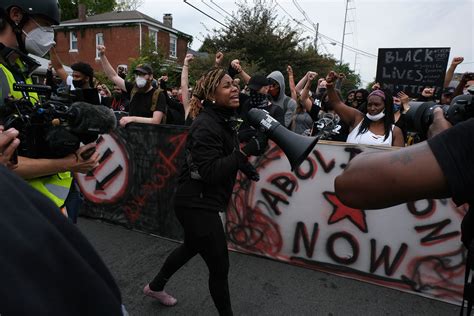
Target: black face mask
[78, 84]
[322, 90]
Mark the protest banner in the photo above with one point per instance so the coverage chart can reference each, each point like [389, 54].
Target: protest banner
[293, 217]
[412, 69]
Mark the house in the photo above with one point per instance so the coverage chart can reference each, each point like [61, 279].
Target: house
[122, 32]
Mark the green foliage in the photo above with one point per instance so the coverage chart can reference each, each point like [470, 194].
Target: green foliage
[352, 80]
[156, 58]
[69, 8]
[263, 43]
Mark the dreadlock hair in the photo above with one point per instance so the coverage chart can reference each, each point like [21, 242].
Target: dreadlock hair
[204, 89]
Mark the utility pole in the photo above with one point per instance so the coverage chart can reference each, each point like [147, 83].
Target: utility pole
[316, 38]
[344, 30]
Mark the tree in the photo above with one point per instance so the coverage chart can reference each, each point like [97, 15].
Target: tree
[352, 80]
[128, 5]
[263, 42]
[69, 8]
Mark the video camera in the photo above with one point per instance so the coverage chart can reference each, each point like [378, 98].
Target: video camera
[420, 115]
[54, 128]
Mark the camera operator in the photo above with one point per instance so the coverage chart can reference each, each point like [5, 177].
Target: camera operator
[25, 27]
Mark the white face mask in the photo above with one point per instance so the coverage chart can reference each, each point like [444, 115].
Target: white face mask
[40, 40]
[376, 117]
[140, 81]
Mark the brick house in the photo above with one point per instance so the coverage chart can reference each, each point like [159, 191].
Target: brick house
[122, 32]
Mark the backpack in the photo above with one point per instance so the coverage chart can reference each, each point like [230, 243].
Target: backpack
[154, 101]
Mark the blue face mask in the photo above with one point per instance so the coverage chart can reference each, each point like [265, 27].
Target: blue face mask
[396, 107]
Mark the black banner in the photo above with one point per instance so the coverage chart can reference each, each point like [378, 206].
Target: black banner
[136, 179]
[412, 69]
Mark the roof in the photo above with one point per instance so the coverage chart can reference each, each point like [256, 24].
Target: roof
[120, 17]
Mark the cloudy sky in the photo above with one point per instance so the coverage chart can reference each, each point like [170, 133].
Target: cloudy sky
[374, 24]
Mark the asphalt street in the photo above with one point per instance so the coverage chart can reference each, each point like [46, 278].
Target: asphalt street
[258, 286]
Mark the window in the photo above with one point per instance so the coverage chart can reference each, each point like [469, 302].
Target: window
[73, 41]
[153, 34]
[173, 46]
[99, 40]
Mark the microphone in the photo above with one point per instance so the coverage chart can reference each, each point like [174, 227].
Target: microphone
[86, 118]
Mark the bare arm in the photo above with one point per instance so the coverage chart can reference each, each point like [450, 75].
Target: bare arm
[185, 84]
[29, 168]
[109, 70]
[450, 72]
[156, 119]
[57, 65]
[348, 115]
[413, 169]
[305, 93]
[398, 139]
[236, 65]
[291, 82]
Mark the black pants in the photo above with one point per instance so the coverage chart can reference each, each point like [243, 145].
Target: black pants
[203, 235]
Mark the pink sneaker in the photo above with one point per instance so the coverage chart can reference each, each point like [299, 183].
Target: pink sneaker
[162, 297]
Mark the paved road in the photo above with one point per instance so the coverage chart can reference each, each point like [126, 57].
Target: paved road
[258, 286]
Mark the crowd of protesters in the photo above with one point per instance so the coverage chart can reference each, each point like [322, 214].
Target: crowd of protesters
[218, 104]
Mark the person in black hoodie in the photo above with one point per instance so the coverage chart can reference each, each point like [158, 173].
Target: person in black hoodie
[212, 159]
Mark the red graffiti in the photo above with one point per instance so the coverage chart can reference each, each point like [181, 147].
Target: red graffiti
[164, 169]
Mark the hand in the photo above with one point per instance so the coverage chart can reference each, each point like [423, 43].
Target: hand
[101, 50]
[312, 75]
[457, 60]
[440, 123]
[331, 78]
[163, 78]
[219, 58]
[428, 92]
[8, 144]
[125, 120]
[249, 170]
[256, 146]
[376, 86]
[404, 99]
[82, 165]
[188, 59]
[342, 76]
[289, 70]
[236, 65]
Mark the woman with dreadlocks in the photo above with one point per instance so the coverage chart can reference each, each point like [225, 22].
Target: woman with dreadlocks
[212, 159]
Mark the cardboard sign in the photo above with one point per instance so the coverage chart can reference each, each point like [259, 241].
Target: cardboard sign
[412, 69]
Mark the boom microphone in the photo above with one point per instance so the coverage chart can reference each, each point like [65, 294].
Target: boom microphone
[86, 118]
[296, 147]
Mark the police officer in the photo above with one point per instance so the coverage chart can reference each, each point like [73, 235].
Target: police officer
[26, 27]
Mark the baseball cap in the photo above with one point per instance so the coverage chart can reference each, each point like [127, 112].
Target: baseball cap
[144, 69]
[258, 81]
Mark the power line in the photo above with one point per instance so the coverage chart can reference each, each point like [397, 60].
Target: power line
[212, 18]
[213, 9]
[361, 52]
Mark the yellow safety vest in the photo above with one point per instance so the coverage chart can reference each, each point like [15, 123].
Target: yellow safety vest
[56, 187]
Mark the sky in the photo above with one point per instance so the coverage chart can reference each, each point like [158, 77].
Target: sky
[372, 24]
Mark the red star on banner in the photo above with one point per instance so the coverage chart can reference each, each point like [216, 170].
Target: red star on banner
[340, 211]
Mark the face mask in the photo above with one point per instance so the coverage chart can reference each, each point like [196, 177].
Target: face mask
[322, 90]
[376, 117]
[39, 41]
[396, 107]
[116, 95]
[140, 81]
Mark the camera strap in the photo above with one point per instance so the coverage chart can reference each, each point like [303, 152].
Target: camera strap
[468, 294]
